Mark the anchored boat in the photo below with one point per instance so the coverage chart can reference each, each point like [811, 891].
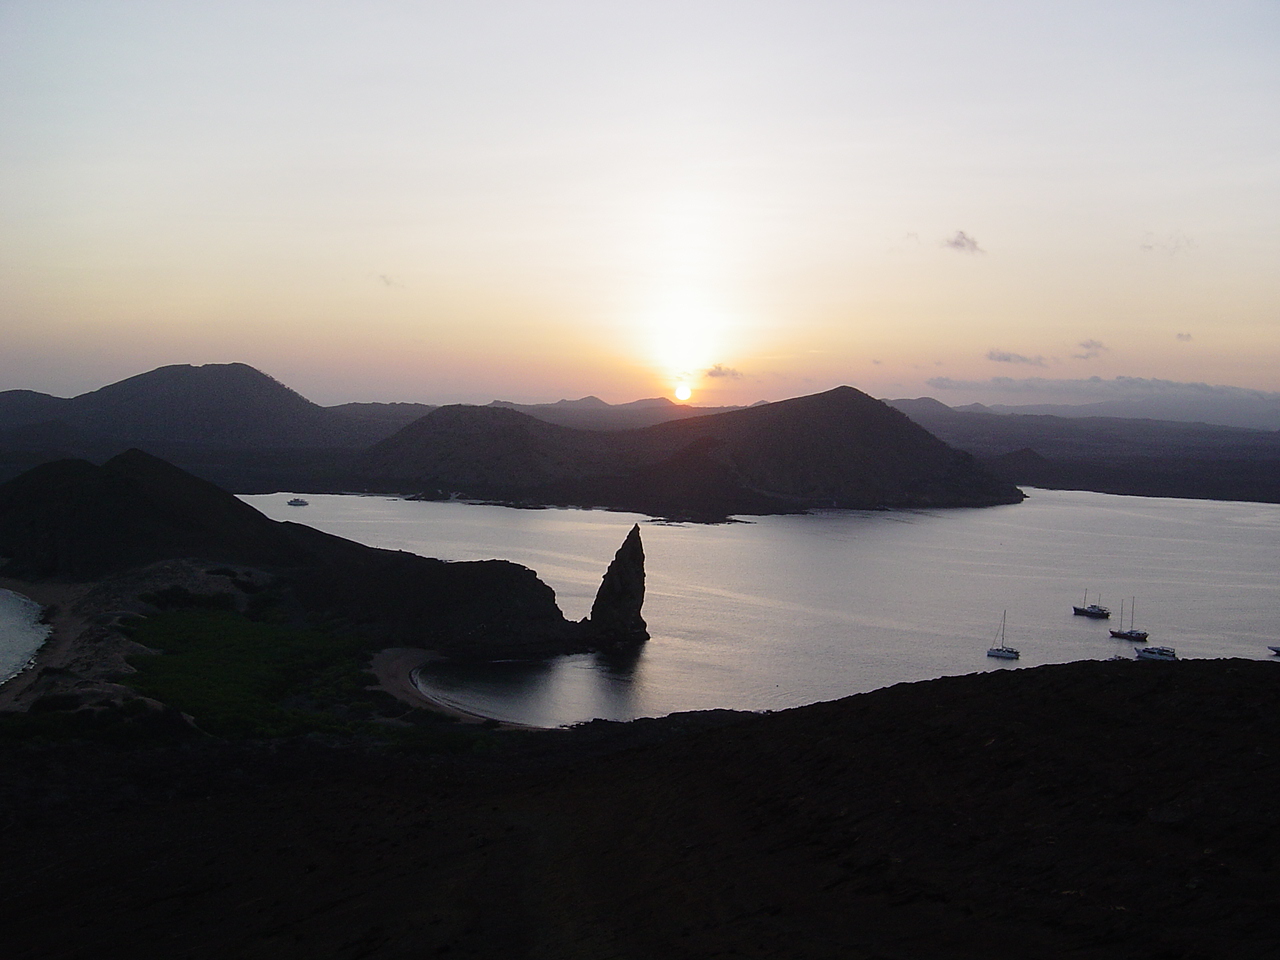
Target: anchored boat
[1002, 650]
[1092, 610]
[1137, 636]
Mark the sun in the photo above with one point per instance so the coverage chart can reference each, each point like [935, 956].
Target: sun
[683, 392]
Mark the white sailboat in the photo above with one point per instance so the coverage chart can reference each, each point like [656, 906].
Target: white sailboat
[1002, 649]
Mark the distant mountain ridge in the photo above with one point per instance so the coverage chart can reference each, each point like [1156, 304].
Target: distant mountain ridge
[1112, 454]
[836, 449]
[248, 432]
[592, 413]
[1222, 407]
[217, 404]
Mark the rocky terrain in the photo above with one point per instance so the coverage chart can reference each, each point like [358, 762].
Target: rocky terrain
[1092, 810]
[73, 522]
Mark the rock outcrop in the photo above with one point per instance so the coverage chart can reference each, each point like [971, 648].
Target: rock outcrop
[615, 615]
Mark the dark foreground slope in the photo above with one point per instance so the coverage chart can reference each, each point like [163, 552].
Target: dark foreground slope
[73, 521]
[835, 449]
[1093, 810]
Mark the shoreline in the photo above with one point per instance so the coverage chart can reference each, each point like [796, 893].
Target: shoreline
[396, 669]
[61, 647]
[74, 652]
[30, 623]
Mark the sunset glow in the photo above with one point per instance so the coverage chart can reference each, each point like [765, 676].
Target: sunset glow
[440, 203]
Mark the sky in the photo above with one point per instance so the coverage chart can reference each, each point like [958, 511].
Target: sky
[426, 201]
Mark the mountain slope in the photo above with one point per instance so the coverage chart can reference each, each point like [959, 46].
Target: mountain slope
[227, 405]
[836, 449]
[1084, 811]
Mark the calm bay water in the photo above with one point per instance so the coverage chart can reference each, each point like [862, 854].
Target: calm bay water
[21, 632]
[783, 611]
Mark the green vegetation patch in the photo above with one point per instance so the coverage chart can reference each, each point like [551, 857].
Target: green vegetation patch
[241, 678]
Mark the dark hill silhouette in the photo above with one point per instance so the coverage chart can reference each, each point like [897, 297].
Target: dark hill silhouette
[1108, 811]
[1111, 454]
[388, 417]
[21, 407]
[485, 448]
[226, 405]
[835, 449]
[73, 521]
[839, 448]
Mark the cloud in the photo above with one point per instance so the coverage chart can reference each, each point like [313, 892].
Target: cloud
[963, 243]
[1090, 349]
[1171, 244]
[1096, 388]
[1004, 356]
[1184, 337]
[720, 370]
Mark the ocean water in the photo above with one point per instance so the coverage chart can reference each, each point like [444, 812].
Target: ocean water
[21, 633]
[782, 611]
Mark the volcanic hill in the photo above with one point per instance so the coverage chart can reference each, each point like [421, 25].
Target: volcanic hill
[835, 449]
[217, 404]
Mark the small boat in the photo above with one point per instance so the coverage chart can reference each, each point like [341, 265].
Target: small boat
[1137, 636]
[1002, 650]
[1092, 610]
[1156, 653]
[298, 502]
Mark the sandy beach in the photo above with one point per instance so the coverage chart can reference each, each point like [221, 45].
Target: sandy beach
[394, 669]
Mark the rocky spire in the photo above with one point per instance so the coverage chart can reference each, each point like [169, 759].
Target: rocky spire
[615, 614]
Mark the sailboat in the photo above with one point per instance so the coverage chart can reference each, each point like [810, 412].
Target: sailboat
[1093, 610]
[1137, 636]
[1003, 650]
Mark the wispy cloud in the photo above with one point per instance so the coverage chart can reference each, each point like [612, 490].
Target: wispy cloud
[963, 243]
[720, 370]
[1090, 349]
[1171, 244]
[1004, 356]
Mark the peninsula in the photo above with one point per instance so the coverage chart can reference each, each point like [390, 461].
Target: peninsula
[113, 543]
